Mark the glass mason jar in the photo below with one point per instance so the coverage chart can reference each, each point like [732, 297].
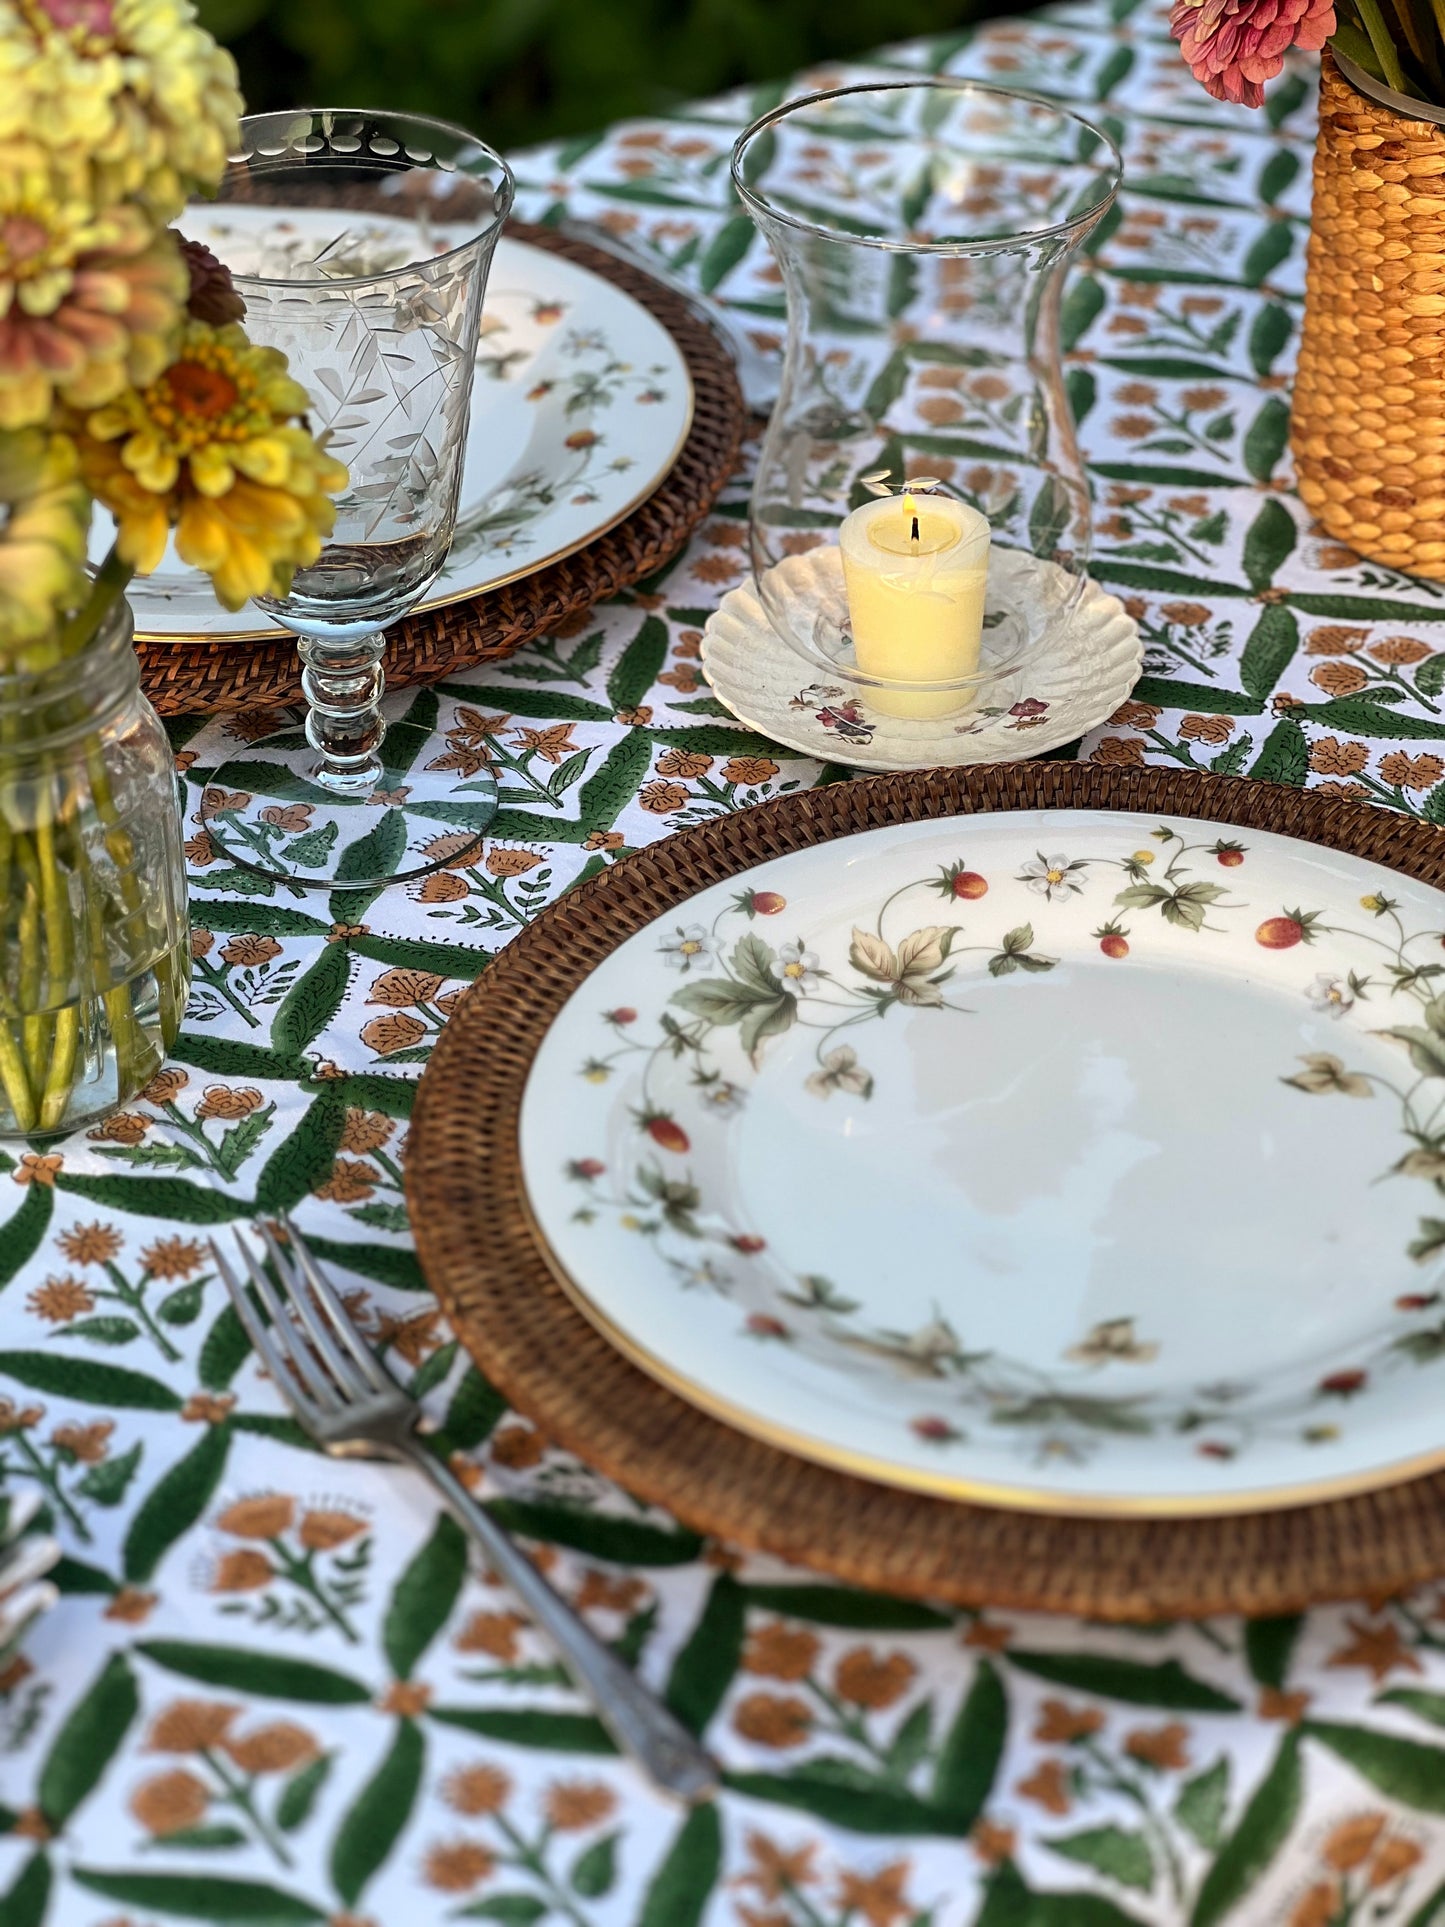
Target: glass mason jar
[923, 228]
[94, 949]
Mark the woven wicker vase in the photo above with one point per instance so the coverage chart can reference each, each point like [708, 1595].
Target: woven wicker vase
[1368, 429]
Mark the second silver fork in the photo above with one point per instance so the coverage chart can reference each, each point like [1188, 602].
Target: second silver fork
[339, 1393]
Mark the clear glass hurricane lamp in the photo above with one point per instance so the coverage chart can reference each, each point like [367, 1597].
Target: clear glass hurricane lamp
[920, 518]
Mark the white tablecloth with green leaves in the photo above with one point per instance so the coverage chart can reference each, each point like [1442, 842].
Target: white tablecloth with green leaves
[272, 1692]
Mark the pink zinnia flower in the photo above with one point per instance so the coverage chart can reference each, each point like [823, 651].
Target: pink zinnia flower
[1234, 46]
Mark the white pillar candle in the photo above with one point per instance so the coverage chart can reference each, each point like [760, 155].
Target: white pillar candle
[915, 569]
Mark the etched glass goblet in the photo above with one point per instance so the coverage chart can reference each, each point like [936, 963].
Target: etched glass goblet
[360, 243]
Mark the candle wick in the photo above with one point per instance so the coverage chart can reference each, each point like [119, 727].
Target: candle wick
[915, 529]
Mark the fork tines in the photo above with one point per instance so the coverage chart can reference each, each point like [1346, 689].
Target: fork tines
[320, 1378]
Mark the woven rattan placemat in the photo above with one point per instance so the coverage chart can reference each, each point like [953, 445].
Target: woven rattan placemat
[192, 674]
[480, 1255]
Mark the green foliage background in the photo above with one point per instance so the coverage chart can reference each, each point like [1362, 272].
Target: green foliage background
[518, 71]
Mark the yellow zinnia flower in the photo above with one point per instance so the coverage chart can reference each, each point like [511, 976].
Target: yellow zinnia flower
[88, 301]
[136, 89]
[44, 517]
[213, 449]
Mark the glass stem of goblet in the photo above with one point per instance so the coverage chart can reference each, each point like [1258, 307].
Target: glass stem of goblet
[344, 680]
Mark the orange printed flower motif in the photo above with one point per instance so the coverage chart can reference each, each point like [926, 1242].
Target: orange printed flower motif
[385, 1035]
[1400, 652]
[18, 1418]
[171, 1258]
[403, 988]
[442, 887]
[411, 1337]
[1411, 772]
[289, 817]
[406, 1699]
[781, 1652]
[518, 1447]
[208, 1408]
[348, 1182]
[991, 1842]
[988, 1636]
[1377, 1648]
[864, 1679]
[90, 1244]
[324, 1528]
[166, 1086]
[1275, 1704]
[126, 1127]
[688, 764]
[1339, 678]
[773, 1720]
[1185, 615]
[1118, 752]
[60, 1299]
[365, 1131]
[511, 863]
[34, 1169]
[242, 1571]
[1133, 715]
[278, 1748]
[477, 1790]
[661, 799]
[170, 1803]
[250, 950]
[775, 1869]
[131, 1607]
[1334, 640]
[1206, 729]
[219, 1100]
[266, 1516]
[1332, 757]
[190, 1726]
[495, 1634]
[747, 770]
[1059, 1722]
[552, 745]
[599, 1590]
[84, 1444]
[877, 1898]
[458, 1867]
[636, 717]
[604, 840]
[1162, 1747]
[1351, 1843]
[1048, 1786]
[1317, 1906]
[571, 1806]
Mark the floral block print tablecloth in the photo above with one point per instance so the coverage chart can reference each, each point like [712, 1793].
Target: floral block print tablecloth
[273, 1693]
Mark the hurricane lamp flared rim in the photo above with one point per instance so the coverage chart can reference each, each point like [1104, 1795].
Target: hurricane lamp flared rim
[1109, 160]
[244, 161]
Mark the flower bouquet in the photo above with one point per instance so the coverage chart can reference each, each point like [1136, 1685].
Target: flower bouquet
[126, 379]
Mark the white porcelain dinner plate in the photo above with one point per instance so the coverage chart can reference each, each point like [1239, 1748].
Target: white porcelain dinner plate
[1073, 1160]
[581, 403]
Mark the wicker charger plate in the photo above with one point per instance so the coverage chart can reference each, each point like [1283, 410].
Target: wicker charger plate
[186, 676]
[480, 1254]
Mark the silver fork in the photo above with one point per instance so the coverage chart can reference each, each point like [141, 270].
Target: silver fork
[326, 1373]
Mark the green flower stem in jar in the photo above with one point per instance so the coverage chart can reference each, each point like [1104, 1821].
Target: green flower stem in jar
[94, 958]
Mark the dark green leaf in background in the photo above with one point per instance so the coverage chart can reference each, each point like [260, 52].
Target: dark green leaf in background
[1262, 1829]
[1163, 1684]
[92, 1734]
[374, 1823]
[679, 1892]
[246, 1669]
[424, 1595]
[175, 1502]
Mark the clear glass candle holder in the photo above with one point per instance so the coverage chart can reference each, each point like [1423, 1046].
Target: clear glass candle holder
[920, 516]
[360, 243]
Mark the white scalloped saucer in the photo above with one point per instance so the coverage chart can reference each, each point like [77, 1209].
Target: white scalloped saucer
[1074, 679]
